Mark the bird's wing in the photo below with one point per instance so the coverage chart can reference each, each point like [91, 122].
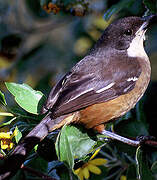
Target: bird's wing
[96, 83]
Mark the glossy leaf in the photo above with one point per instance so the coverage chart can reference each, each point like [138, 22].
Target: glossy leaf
[8, 122]
[63, 148]
[18, 136]
[2, 99]
[73, 142]
[143, 171]
[29, 99]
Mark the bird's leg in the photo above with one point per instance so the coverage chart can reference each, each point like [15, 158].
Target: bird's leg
[121, 138]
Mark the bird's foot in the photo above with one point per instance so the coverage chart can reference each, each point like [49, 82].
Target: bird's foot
[142, 139]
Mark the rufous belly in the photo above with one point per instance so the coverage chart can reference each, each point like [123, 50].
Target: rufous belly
[99, 114]
[95, 116]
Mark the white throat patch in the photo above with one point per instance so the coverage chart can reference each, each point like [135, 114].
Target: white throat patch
[136, 48]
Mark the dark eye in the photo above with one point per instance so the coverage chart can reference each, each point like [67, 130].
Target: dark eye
[128, 32]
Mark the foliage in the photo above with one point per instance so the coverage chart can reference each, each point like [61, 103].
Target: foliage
[34, 51]
[68, 147]
[2, 98]
[142, 165]
[26, 97]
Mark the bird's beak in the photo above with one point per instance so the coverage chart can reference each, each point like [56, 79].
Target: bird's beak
[148, 20]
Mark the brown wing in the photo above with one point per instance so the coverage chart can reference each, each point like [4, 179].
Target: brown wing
[93, 82]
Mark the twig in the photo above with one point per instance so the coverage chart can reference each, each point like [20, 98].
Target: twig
[151, 143]
[13, 163]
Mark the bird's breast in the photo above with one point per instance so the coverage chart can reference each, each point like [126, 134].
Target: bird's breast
[101, 113]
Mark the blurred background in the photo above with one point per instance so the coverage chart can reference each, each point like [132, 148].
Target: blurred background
[41, 40]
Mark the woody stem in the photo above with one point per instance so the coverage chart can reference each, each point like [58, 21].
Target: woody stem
[121, 138]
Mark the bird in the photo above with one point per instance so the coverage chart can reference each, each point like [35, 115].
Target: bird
[107, 82]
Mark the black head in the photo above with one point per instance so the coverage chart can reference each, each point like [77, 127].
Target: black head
[121, 32]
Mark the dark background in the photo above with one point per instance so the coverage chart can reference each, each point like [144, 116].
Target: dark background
[37, 47]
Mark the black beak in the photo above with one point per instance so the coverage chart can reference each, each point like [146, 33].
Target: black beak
[149, 20]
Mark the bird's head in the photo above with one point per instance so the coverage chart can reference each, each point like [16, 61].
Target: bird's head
[126, 34]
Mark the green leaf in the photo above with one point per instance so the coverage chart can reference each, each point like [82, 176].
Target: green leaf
[35, 148]
[8, 122]
[73, 142]
[18, 136]
[2, 99]
[117, 7]
[63, 148]
[151, 5]
[38, 164]
[143, 170]
[27, 98]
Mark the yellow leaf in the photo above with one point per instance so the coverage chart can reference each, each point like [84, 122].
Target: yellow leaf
[98, 161]
[94, 169]
[6, 114]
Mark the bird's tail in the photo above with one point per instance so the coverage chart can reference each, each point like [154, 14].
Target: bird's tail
[58, 122]
[49, 124]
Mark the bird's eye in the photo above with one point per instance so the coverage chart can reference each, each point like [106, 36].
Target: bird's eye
[128, 32]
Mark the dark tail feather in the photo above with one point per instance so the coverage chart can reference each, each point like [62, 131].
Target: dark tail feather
[42, 129]
[15, 159]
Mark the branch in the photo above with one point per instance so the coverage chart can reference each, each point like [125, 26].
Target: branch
[13, 163]
[151, 143]
[32, 171]
[15, 160]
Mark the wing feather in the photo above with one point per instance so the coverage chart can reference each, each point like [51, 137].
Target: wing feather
[82, 86]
